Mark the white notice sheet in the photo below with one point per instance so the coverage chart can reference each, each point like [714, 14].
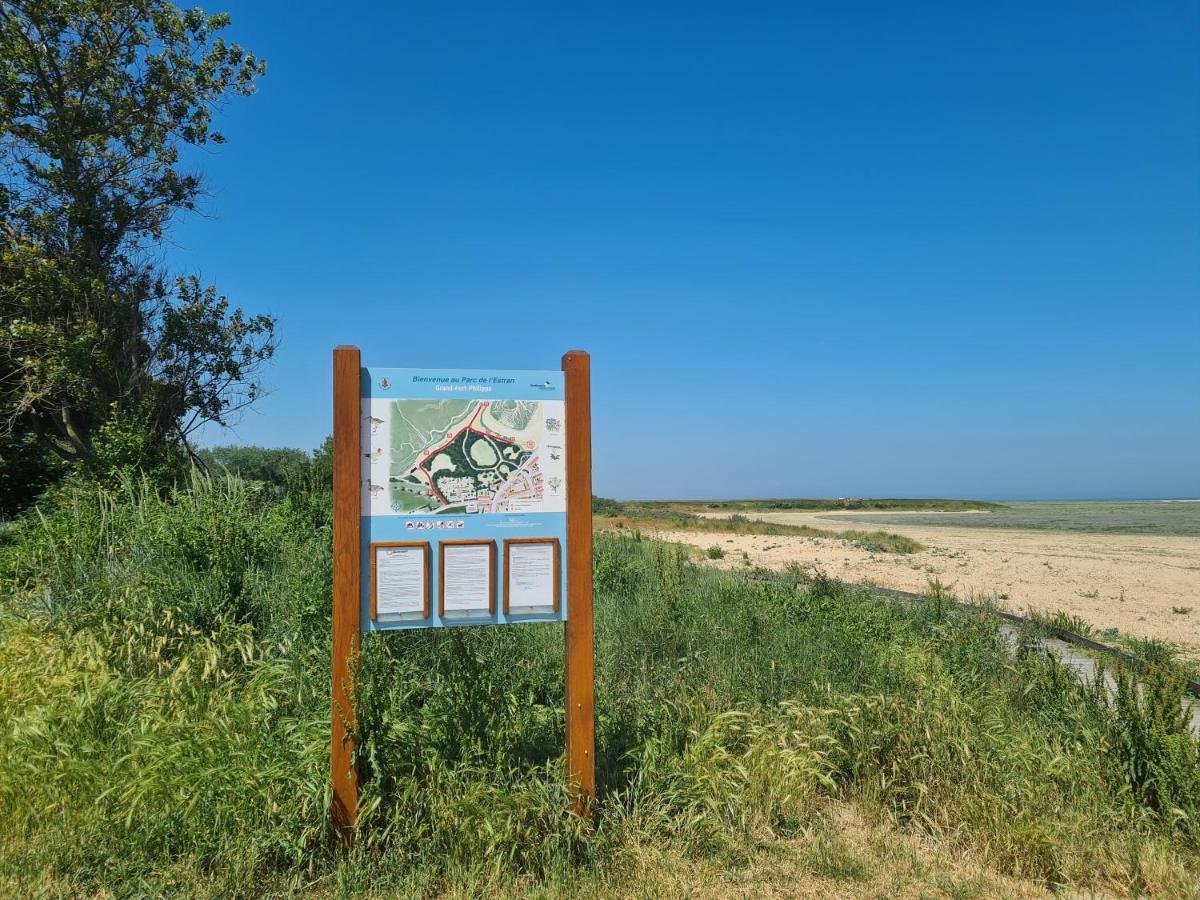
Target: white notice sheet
[531, 576]
[467, 577]
[399, 580]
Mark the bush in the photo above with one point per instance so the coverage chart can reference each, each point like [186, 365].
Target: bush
[26, 469]
[714, 552]
[275, 466]
[603, 506]
[1152, 735]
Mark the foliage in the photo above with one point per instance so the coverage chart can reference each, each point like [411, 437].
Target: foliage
[105, 357]
[164, 687]
[603, 506]
[26, 469]
[1162, 760]
[281, 470]
[626, 515]
[1050, 622]
[321, 468]
[276, 466]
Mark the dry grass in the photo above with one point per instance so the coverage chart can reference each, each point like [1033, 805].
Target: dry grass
[847, 854]
[871, 541]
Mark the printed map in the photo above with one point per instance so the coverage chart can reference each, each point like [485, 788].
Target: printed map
[463, 456]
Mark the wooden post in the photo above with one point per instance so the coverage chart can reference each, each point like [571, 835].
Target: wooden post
[580, 691]
[347, 576]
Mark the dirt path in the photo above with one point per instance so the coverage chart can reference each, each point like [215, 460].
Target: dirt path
[1130, 582]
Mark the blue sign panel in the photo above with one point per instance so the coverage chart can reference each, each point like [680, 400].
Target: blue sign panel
[463, 497]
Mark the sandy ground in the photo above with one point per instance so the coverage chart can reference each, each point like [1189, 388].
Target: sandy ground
[1130, 582]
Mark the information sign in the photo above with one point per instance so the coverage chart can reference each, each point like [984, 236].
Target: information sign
[433, 471]
[456, 457]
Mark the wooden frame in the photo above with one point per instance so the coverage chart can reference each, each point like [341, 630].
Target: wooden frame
[491, 545]
[376, 545]
[508, 542]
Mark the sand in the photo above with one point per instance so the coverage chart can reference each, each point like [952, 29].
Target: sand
[1128, 582]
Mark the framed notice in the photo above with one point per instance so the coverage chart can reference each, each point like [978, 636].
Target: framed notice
[467, 577]
[531, 575]
[400, 583]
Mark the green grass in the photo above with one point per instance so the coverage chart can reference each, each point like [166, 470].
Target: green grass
[164, 681]
[1164, 654]
[636, 518]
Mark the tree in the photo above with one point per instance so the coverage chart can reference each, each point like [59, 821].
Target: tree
[26, 469]
[106, 359]
[321, 466]
[275, 466]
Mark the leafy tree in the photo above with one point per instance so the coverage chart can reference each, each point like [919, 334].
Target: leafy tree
[106, 359]
[321, 466]
[603, 506]
[26, 469]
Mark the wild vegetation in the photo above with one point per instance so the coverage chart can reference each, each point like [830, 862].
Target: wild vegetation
[649, 517]
[164, 674]
[276, 469]
[1148, 517]
[1145, 651]
[819, 504]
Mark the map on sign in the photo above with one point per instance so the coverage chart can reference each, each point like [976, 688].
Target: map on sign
[454, 460]
[442, 456]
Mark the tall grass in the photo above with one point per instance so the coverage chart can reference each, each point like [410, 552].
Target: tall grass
[164, 688]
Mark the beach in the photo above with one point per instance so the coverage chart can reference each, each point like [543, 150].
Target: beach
[1142, 585]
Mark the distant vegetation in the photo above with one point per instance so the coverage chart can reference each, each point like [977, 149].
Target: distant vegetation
[614, 514]
[277, 467]
[822, 504]
[164, 684]
[1091, 517]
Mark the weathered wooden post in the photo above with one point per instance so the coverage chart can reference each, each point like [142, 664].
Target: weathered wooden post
[347, 575]
[580, 687]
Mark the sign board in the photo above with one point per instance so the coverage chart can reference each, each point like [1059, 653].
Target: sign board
[465, 462]
[461, 497]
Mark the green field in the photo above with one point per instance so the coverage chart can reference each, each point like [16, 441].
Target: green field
[1095, 516]
[164, 694]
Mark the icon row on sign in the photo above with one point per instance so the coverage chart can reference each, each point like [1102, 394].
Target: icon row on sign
[430, 525]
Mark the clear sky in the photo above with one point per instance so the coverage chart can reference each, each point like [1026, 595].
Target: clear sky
[869, 249]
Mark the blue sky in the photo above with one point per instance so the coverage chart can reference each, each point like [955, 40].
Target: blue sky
[868, 249]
